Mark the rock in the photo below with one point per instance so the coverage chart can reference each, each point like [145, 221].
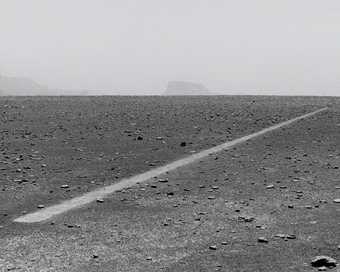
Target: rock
[213, 247]
[100, 200]
[64, 186]
[280, 235]
[183, 144]
[262, 240]
[337, 200]
[271, 186]
[320, 261]
[163, 180]
[41, 206]
[290, 236]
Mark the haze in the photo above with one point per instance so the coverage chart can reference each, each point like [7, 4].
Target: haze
[136, 47]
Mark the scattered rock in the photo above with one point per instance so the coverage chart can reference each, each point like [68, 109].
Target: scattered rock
[323, 261]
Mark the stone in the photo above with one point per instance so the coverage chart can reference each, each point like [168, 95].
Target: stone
[41, 206]
[320, 261]
[271, 186]
[100, 200]
[163, 180]
[64, 186]
[337, 200]
[213, 247]
[262, 240]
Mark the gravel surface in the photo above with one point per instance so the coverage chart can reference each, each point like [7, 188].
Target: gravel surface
[266, 205]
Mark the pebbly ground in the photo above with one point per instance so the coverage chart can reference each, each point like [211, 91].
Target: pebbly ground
[265, 205]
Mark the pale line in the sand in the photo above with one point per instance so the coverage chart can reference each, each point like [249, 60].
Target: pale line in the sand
[49, 212]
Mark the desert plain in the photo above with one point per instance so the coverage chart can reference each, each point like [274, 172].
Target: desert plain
[268, 204]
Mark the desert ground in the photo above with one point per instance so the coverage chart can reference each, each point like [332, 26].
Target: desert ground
[269, 204]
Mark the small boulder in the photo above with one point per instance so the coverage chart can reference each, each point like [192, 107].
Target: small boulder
[320, 261]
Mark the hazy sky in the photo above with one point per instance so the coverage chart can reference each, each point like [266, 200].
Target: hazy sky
[288, 45]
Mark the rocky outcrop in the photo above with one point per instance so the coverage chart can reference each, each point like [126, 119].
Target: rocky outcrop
[185, 88]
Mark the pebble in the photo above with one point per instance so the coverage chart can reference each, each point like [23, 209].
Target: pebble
[262, 240]
[323, 261]
[163, 180]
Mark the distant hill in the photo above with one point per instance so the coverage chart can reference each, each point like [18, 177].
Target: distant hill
[185, 88]
[20, 86]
